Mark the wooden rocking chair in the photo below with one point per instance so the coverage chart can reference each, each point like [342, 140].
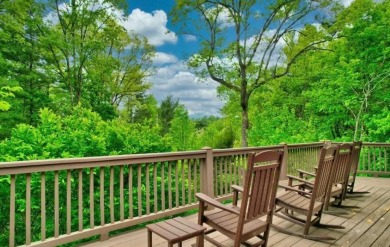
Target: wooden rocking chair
[303, 207]
[356, 149]
[243, 223]
[338, 181]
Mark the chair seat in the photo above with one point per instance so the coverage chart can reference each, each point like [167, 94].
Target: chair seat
[229, 221]
[299, 203]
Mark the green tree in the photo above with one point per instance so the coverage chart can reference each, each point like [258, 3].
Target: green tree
[142, 110]
[342, 93]
[21, 62]
[166, 113]
[95, 60]
[241, 42]
[182, 130]
[363, 61]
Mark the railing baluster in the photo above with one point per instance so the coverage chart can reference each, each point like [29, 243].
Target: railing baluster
[112, 216]
[215, 169]
[68, 202]
[225, 175]
[139, 190]
[155, 187]
[220, 177]
[162, 186]
[43, 207]
[230, 174]
[362, 162]
[81, 200]
[147, 190]
[183, 188]
[91, 198]
[196, 162]
[235, 160]
[385, 157]
[130, 191]
[56, 206]
[12, 212]
[102, 220]
[177, 183]
[121, 196]
[170, 185]
[239, 169]
[28, 208]
[189, 181]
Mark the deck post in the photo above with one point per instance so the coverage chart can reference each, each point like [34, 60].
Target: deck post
[283, 171]
[104, 236]
[207, 174]
[327, 143]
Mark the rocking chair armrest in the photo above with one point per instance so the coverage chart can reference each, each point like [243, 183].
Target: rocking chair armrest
[237, 188]
[300, 180]
[302, 173]
[294, 189]
[205, 198]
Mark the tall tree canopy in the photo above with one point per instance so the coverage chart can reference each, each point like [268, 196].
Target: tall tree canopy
[241, 41]
[65, 53]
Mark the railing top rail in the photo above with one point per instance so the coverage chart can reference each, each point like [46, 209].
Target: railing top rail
[236, 151]
[370, 144]
[303, 145]
[18, 167]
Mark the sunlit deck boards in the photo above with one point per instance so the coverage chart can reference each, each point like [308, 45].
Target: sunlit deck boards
[367, 226]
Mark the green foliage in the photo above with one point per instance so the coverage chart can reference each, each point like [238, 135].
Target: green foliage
[166, 113]
[63, 57]
[81, 134]
[6, 92]
[217, 134]
[239, 47]
[182, 130]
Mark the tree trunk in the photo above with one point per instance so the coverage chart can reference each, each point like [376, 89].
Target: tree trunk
[244, 124]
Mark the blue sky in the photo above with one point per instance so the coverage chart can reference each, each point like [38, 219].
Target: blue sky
[151, 19]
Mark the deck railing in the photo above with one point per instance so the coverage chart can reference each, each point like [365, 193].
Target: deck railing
[65, 200]
[375, 159]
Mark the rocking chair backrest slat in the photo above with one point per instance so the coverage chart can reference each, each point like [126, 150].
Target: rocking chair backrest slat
[356, 148]
[343, 164]
[325, 172]
[261, 180]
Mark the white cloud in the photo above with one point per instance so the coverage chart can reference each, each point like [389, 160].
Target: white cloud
[164, 58]
[200, 98]
[189, 37]
[151, 25]
[276, 57]
[224, 17]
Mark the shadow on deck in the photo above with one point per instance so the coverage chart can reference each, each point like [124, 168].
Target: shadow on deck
[366, 226]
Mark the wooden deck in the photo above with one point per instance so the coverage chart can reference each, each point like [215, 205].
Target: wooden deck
[366, 226]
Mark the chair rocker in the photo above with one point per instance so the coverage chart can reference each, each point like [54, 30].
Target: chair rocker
[305, 207]
[243, 223]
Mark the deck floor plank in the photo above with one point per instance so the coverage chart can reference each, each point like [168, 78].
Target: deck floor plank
[368, 225]
[367, 218]
[379, 228]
